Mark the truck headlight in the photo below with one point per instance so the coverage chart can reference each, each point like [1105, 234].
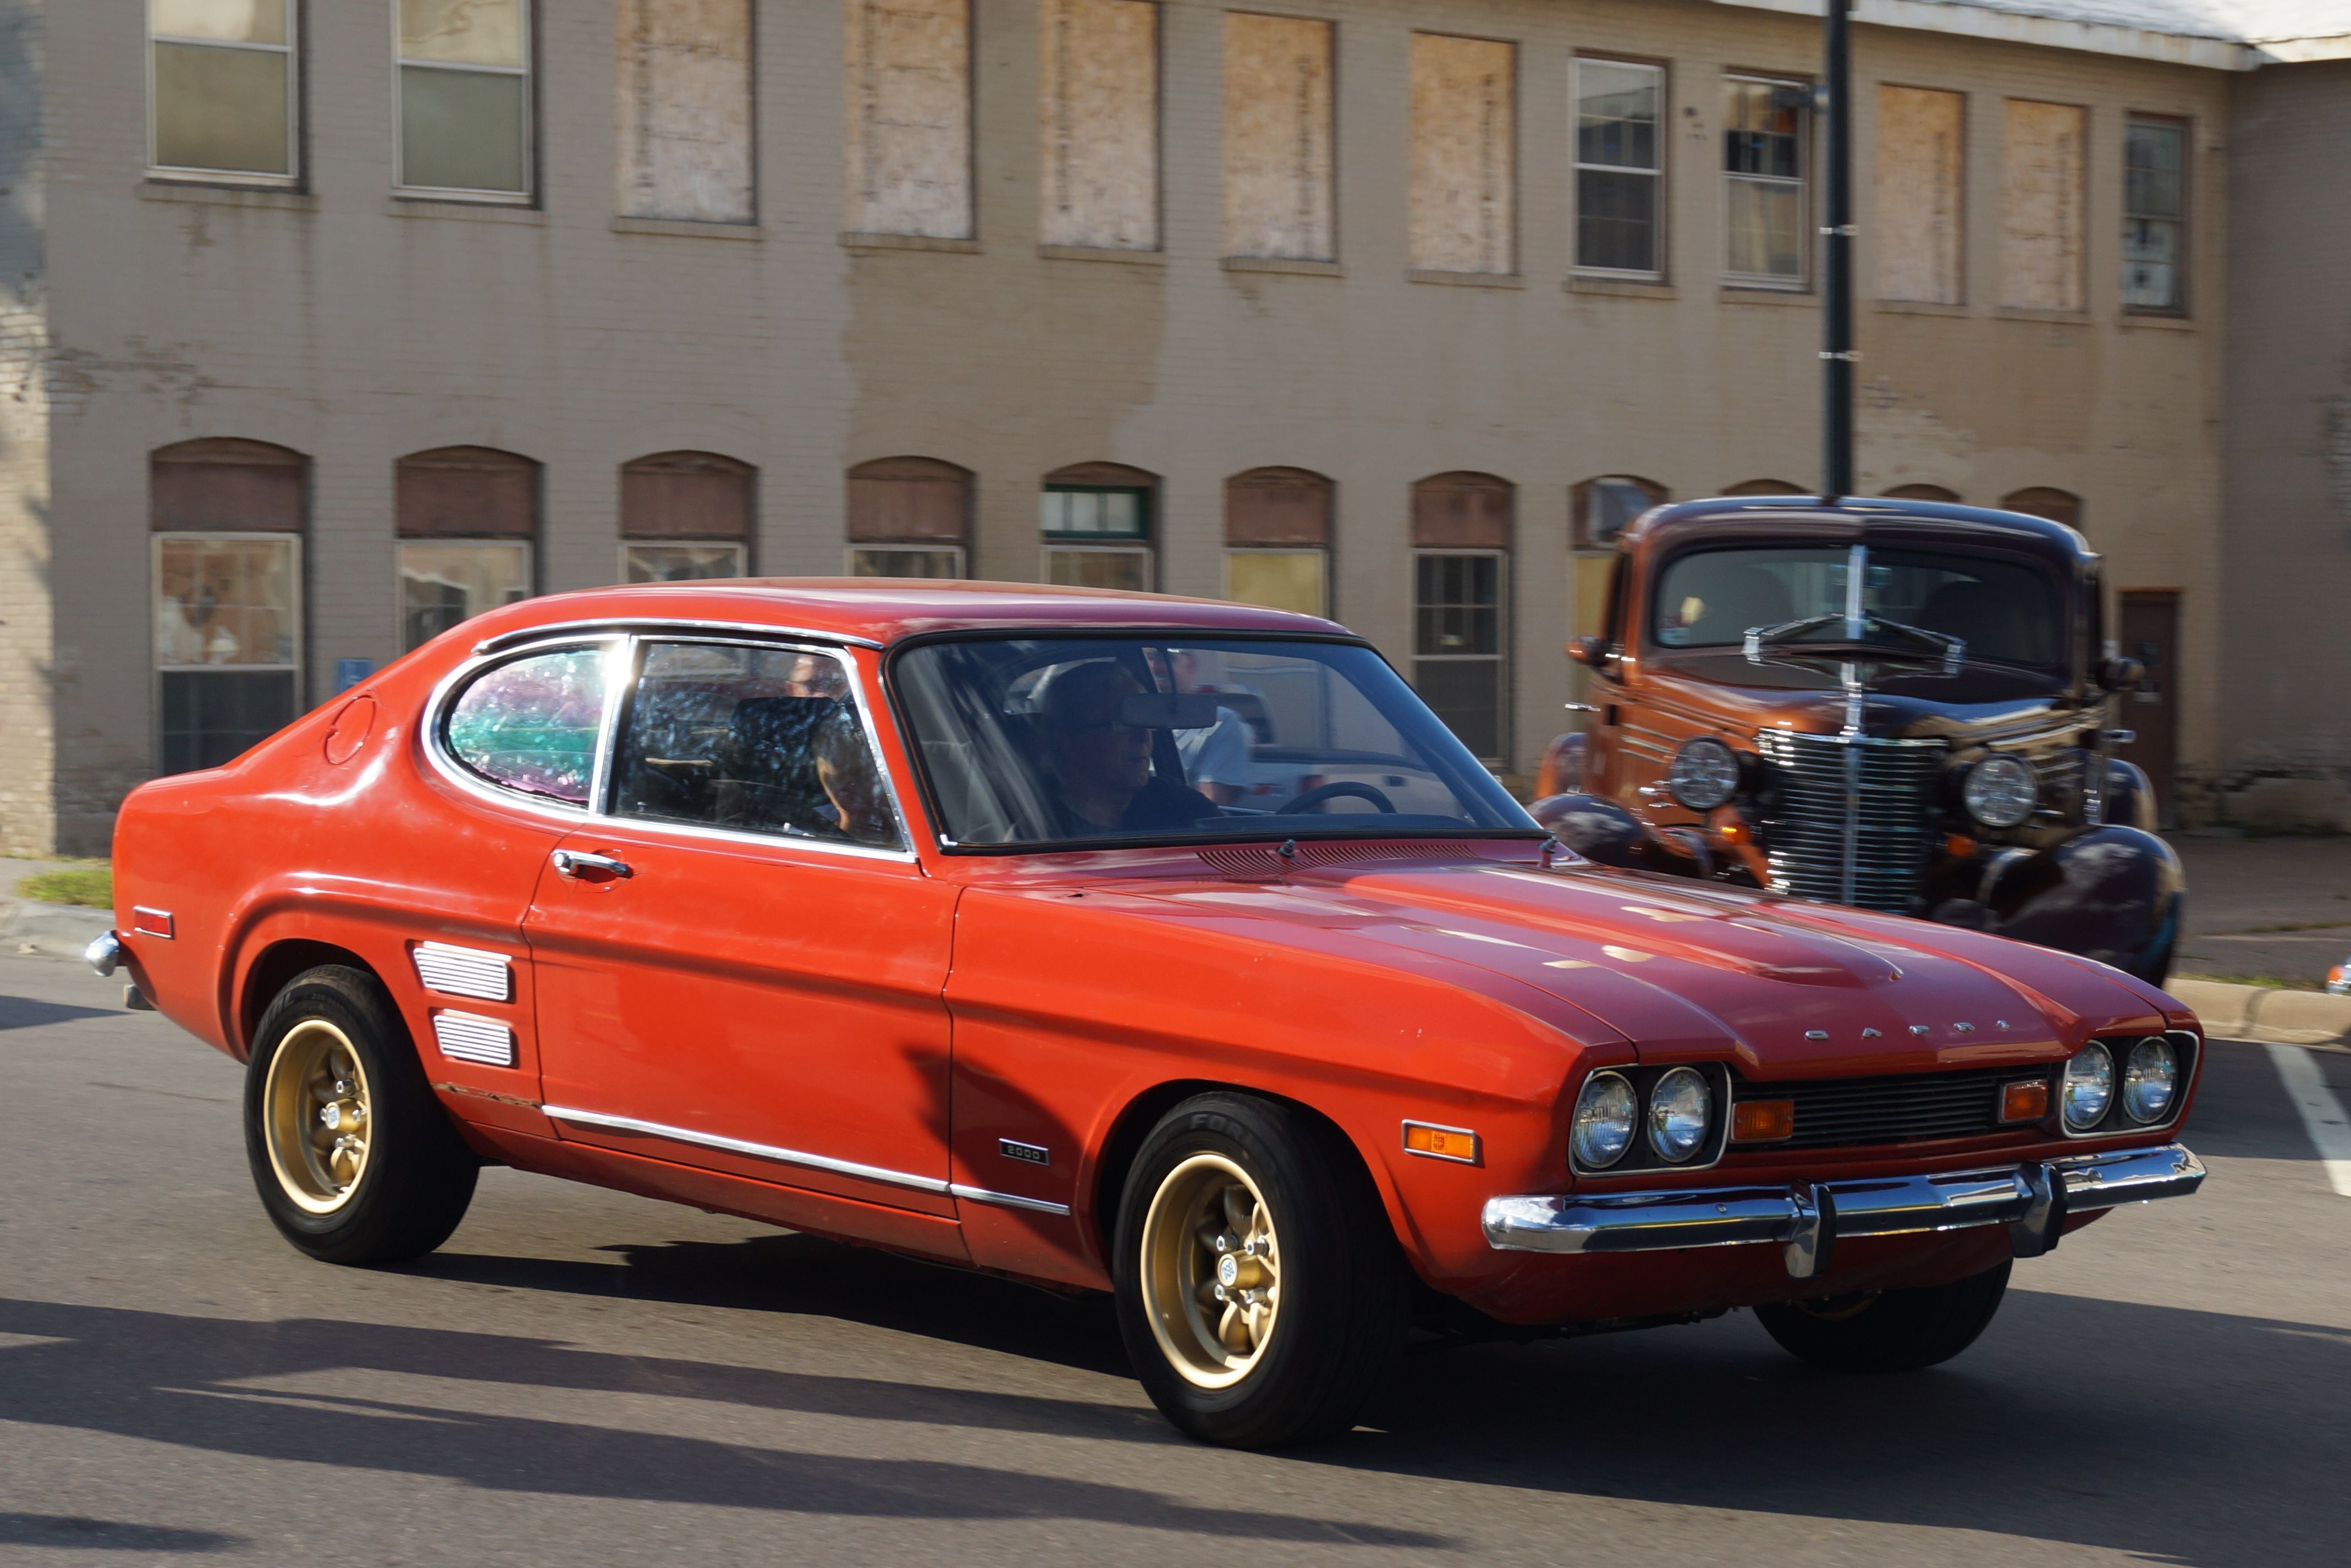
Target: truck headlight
[1704, 775]
[2151, 1079]
[2000, 792]
[2089, 1087]
[1604, 1113]
[1680, 1107]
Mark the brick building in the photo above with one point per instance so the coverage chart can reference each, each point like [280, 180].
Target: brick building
[323, 326]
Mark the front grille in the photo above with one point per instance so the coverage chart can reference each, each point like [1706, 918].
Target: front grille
[1832, 1113]
[1825, 797]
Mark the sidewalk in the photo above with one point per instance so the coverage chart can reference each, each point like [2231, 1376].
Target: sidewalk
[2278, 909]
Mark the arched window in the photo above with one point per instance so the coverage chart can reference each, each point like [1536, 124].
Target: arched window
[2041, 501]
[1462, 529]
[1765, 488]
[684, 516]
[228, 517]
[467, 518]
[1277, 539]
[1923, 493]
[1603, 507]
[909, 516]
[1098, 527]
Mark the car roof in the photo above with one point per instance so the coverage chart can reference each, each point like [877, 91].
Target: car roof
[1856, 519]
[882, 611]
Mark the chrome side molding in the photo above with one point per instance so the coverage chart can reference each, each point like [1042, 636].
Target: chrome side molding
[1806, 1217]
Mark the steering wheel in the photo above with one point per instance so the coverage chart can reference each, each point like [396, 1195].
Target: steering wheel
[1344, 787]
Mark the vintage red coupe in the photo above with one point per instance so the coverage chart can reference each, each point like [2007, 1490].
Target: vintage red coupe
[909, 913]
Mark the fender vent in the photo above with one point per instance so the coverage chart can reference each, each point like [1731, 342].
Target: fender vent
[466, 1036]
[465, 972]
[1263, 863]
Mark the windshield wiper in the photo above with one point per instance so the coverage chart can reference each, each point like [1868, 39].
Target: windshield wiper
[1951, 649]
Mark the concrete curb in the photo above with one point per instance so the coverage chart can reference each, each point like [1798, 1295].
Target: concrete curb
[2267, 1016]
[52, 930]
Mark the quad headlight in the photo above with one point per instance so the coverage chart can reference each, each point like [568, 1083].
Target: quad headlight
[2151, 1079]
[2000, 792]
[2089, 1087]
[1704, 775]
[1680, 1107]
[1604, 1114]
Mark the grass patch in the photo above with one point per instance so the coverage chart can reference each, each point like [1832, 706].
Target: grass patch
[92, 885]
[2265, 982]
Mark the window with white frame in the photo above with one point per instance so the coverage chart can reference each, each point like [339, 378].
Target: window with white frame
[1763, 133]
[1619, 159]
[223, 99]
[467, 517]
[464, 96]
[2155, 212]
[445, 582]
[1097, 532]
[1462, 524]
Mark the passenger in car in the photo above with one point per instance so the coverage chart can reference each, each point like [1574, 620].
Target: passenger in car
[855, 806]
[1102, 778]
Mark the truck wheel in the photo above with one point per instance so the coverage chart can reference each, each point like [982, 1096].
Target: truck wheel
[354, 1159]
[1897, 1331]
[1261, 1291]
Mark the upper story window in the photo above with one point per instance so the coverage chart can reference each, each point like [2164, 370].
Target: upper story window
[907, 142]
[1279, 152]
[2044, 192]
[909, 516]
[1096, 520]
[1619, 156]
[683, 109]
[1462, 197]
[530, 724]
[464, 96]
[1764, 127]
[684, 516]
[1098, 69]
[1922, 193]
[467, 518]
[2155, 212]
[224, 99]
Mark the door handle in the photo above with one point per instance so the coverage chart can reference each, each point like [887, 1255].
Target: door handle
[582, 866]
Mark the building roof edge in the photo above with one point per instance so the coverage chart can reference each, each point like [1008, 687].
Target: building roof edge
[2208, 51]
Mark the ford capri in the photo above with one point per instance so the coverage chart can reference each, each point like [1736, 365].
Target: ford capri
[906, 914]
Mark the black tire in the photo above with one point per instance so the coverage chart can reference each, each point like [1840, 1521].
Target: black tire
[415, 1176]
[1341, 1297]
[1896, 1330]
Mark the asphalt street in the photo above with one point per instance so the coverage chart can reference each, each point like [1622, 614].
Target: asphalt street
[583, 1377]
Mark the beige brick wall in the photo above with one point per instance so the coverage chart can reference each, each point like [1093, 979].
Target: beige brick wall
[354, 328]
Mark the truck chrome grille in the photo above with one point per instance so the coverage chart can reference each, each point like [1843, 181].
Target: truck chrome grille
[1829, 800]
[1834, 1112]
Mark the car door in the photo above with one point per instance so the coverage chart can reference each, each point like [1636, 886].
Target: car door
[740, 963]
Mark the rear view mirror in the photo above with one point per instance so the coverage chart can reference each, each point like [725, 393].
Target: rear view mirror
[1592, 652]
[1168, 710]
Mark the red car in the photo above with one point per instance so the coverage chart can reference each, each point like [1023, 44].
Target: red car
[889, 912]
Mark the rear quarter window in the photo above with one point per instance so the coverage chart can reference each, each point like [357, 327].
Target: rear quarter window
[530, 724]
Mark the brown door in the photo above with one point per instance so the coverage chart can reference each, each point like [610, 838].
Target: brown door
[2151, 635]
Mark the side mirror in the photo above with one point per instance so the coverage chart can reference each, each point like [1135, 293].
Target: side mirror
[1592, 652]
[2117, 672]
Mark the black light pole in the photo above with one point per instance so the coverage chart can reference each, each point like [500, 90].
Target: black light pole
[1836, 227]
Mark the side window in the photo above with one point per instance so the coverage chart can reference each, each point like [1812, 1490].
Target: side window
[530, 726]
[755, 740]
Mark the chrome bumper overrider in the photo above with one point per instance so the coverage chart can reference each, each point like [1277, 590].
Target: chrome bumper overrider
[1807, 1217]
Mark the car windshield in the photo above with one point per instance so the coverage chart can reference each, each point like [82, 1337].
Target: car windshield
[2003, 611]
[1037, 741]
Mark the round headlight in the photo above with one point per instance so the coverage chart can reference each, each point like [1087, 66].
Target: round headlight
[2089, 1087]
[2150, 1079]
[1603, 1121]
[2000, 792]
[1705, 775]
[1679, 1108]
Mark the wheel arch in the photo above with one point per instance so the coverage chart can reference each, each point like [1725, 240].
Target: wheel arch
[274, 967]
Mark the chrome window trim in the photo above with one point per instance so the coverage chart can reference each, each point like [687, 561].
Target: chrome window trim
[659, 625]
[445, 690]
[779, 1155]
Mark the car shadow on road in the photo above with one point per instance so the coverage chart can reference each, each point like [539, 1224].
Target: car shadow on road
[73, 1531]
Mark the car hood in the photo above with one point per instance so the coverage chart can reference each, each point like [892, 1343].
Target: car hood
[1686, 971]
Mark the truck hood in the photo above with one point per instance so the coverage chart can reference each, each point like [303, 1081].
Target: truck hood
[1903, 704]
[1687, 971]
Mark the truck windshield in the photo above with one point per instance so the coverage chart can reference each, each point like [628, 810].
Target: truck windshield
[2004, 610]
[1129, 739]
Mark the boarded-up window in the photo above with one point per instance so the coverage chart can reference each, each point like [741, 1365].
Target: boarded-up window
[1463, 213]
[1278, 146]
[2043, 191]
[227, 486]
[1098, 112]
[684, 516]
[908, 517]
[1277, 539]
[908, 98]
[681, 101]
[1461, 511]
[467, 492]
[2042, 501]
[1921, 165]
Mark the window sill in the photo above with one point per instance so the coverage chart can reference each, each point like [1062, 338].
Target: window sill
[686, 228]
[1465, 280]
[1625, 288]
[2024, 313]
[853, 239]
[279, 196]
[1102, 253]
[1918, 307]
[1300, 266]
[487, 211]
[1764, 294]
[2133, 320]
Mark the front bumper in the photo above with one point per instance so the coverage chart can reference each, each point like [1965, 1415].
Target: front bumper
[1807, 1217]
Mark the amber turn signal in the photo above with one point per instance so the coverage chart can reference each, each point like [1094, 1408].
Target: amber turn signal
[2025, 1102]
[1762, 1121]
[1958, 846]
[1441, 1143]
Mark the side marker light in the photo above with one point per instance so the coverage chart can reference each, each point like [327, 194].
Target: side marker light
[1441, 1143]
[1762, 1121]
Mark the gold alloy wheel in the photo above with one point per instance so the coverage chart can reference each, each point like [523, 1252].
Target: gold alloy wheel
[1211, 1270]
[315, 1116]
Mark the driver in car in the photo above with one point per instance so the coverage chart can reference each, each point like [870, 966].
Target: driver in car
[1102, 781]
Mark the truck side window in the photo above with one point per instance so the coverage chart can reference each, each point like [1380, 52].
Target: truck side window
[1614, 620]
